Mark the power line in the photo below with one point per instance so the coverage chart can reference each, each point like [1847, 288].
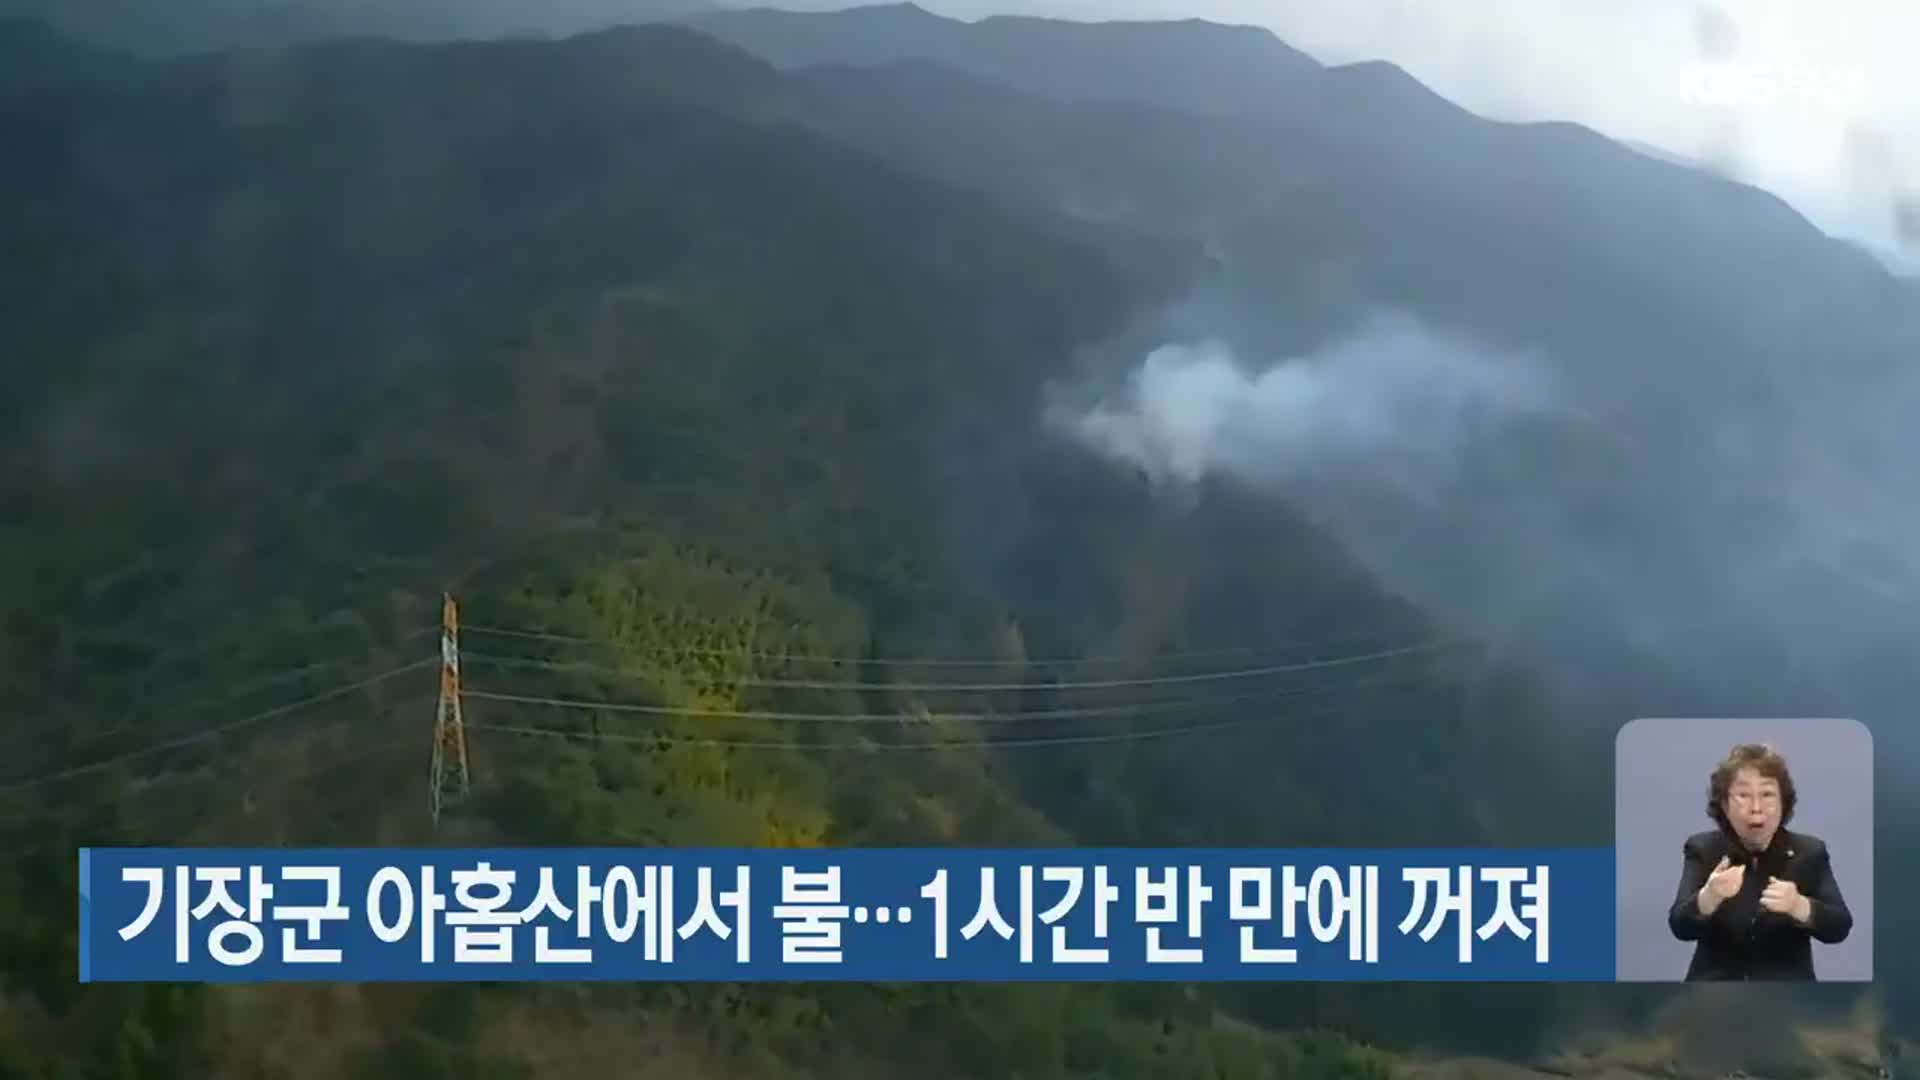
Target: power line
[1017, 716]
[215, 732]
[986, 687]
[394, 739]
[157, 782]
[983, 661]
[246, 689]
[780, 744]
[332, 623]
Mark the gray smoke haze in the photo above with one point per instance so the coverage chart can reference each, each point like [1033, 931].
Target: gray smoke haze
[1757, 548]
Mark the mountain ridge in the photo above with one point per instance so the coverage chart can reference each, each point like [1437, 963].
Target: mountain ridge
[778, 372]
[1408, 123]
[1259, 63]
[400, 308]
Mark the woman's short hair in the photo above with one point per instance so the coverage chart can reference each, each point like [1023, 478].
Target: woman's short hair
[1762, 759]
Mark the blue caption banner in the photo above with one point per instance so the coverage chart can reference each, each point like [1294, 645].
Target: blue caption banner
[870, 915]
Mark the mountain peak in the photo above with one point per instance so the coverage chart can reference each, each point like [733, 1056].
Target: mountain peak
[1383, 80]
[905, 13]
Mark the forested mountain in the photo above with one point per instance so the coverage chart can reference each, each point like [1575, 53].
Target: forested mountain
[1329, 191]
[192, 26]
[1193, 65]
[707, 368]
[291, 346]
[1684, 321]
[1694, 512]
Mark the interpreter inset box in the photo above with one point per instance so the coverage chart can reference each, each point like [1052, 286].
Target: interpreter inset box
[1743, 850]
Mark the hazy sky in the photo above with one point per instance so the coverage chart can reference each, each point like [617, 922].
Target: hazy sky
[1828, 118]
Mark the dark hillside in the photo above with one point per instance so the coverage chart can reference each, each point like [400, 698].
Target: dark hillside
[580, 331]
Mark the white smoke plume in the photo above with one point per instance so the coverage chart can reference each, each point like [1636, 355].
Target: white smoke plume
[1582, 521]
[1394, 396]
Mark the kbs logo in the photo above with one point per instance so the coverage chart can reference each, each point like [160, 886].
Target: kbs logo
[1773, 84]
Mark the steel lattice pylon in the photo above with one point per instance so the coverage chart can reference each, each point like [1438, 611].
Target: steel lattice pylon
[450, 781]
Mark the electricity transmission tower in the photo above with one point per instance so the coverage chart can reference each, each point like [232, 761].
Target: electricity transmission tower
[450, 782]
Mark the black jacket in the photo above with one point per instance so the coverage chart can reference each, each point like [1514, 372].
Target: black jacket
[1742, 940]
